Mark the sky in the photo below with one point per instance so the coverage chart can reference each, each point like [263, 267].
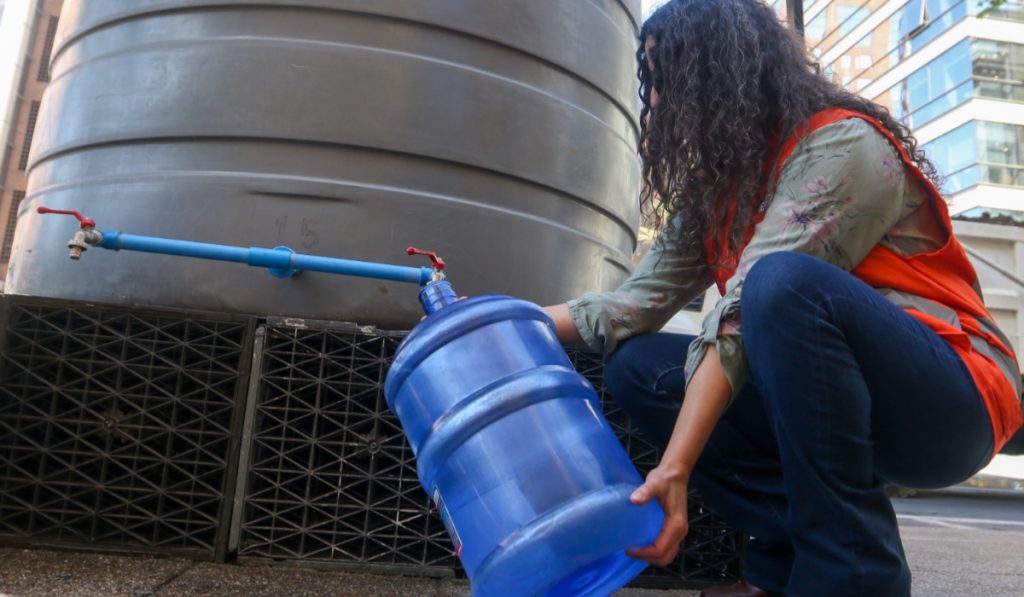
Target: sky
[649, 5]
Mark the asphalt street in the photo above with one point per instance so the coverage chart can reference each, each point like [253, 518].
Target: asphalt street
[964, 542]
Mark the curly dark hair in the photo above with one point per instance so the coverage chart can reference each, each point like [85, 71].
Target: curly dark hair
[728, 74]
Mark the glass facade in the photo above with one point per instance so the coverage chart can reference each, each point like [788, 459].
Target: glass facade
[1001, 153]
[998, 69]
[972, 68]
[955, 154]
[979, 152]
[836, 21]
[858, 41]
[910, 27]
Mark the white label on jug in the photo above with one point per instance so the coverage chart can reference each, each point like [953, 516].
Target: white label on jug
[446, 518]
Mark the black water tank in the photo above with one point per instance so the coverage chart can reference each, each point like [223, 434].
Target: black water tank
[501, 134]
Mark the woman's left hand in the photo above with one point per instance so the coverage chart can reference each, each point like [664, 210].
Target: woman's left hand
[670, 489]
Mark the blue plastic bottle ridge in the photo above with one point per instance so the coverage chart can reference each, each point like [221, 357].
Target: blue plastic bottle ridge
[513, 448]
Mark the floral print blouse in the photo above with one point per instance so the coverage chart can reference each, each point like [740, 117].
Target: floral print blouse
[841, 192]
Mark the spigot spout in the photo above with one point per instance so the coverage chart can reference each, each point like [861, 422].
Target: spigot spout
[77, 245]
[80, 242]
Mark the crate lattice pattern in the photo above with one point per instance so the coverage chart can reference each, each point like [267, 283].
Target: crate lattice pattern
[331, 476]
[333, 479]
[712, 551]
[116, 432]
[115, 427]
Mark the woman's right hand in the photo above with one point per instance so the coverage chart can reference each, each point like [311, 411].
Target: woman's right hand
[670, 488]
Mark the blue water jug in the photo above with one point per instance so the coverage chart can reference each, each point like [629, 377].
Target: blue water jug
[512, 446]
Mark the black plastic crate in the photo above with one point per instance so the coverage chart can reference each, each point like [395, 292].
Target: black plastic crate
[118, 428]
[331, 478]
[330, 475]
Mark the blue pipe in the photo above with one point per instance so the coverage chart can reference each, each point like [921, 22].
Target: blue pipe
[281, 261]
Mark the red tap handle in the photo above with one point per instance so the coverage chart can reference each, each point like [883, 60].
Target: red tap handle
[83, 222]
[437, 262]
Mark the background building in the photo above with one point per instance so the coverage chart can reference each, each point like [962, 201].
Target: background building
[27, 30]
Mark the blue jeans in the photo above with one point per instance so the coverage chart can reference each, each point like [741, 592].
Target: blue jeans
[846, 392]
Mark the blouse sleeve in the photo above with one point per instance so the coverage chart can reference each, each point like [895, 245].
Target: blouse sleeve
[837, 196]
[663, 282]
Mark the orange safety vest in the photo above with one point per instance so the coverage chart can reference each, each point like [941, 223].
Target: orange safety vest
[944, 276]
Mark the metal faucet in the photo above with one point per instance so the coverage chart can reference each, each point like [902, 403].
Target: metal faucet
[86, 235]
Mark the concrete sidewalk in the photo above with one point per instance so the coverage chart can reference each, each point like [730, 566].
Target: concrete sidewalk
[45, 573]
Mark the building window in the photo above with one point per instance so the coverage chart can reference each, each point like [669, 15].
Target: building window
[937, 17]
[835, 22]
[850, 17]
[44, 59]
[1001, 148]
[933, 89]
[12, 224]
[955, 154]
[998, 69]
[912, 19]
[979, 152]
[914, 24]
[30, 129]
[971, 68]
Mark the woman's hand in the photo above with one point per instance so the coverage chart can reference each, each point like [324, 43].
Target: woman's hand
[670, 489]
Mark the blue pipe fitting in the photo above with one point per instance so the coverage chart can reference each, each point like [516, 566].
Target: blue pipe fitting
[282, 254]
